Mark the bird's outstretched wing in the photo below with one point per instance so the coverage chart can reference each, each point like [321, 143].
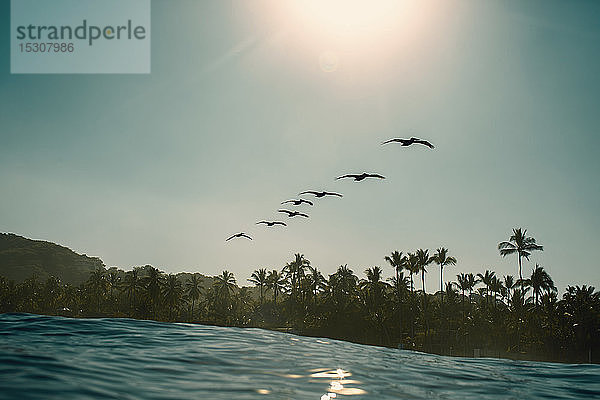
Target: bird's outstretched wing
[288, 212]
[395, 140]
[347, 176]
[307, 202]
[262, 222]
[333, 194]
[288, 201]
[375, 176]
[425, 142]
[308, 192]
[303, 215]
[230, 237]
[246, 236]
[279, 223]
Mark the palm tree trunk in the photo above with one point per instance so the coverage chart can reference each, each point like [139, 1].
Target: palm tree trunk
[521, 276]
[442, 281]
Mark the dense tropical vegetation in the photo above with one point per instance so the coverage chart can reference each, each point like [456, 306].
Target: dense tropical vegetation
[500, 316]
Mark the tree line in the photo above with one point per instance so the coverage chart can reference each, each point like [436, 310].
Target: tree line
[500, 316]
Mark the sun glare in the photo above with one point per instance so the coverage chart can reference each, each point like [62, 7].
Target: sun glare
[348, 17]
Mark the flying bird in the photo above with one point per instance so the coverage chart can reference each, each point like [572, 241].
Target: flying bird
[360, 177]
[271, 223]
[238, 235]
[298, 202]
[408, 142]
[292, 214]
[320, 194]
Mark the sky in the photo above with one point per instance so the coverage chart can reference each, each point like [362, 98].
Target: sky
[250, 103]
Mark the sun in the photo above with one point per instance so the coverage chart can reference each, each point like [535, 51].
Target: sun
[350, 17]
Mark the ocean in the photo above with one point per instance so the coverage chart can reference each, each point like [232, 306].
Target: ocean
[43, 357]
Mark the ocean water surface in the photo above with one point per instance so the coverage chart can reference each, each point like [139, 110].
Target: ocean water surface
[44, 357]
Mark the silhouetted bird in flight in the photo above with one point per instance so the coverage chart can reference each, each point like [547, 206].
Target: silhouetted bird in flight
[298, 202]
[238, 235]
[271, 223]
[408, 142]
[320, 194]
[292, 214]
[360, 177]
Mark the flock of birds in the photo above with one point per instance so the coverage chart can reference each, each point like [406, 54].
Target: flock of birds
[320, 194]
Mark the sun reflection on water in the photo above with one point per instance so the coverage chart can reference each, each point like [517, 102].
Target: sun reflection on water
[337, 383]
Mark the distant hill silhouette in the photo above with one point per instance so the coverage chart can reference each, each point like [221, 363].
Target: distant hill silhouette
[20, 258]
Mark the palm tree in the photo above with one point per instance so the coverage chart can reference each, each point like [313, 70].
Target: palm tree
[509, 284]
[172, 292]
[540, 281]
[496, 287]
[373, 284]
[131, 285]
[225, 283]
[343, 282]
[412, 265]
[520, 244]
[276, 282]
[153, 283]
[295, 272]
[113, 280]
[316, 280]
[397, 261]
[423, 260]
[582, 307]
[401, 285]
[487, 279]
[442, 259]
[463, 283]
[259, 278]
[193, 290]
[97, 284]
[472, 281]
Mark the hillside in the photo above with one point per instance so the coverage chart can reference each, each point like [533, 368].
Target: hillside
[20, 258]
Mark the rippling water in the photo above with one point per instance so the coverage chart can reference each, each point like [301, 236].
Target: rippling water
[59, 358]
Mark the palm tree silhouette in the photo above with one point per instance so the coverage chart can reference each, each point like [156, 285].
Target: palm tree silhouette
[442, 259]
[397, 261]
[343, 283]
[472, 281]
[193, 289]
[520, 244]
[153, 283]
[496, 287]
[259, 278]
[225, 283]
[423, 260]
[373, 284]
[412, 265]
[113, 279]
[487, 279]
[316, 280]
[97, 283]
[540, 281]
[276, 282]
[295, 273]
[464, 285]
[132, 284]
[509, 284]
[172, 292]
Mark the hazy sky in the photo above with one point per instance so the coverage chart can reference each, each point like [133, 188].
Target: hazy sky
[251, 102]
